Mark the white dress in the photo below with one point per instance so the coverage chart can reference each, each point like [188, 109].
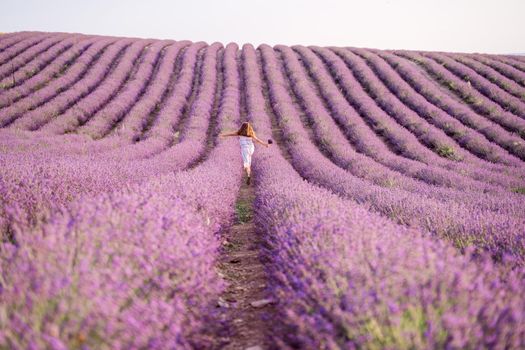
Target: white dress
[247, 149]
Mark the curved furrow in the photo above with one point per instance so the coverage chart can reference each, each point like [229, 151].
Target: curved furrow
[110, 116]
[453, 115]
[217, 112]
[20, 47]
[333, 143]
[168, 92]
[318, 123]
[171, 114]
[175, 135]
[53, 70]
[326, 256]
[399, 99]
[515, 60]
[259, 102]
[116, 170]
[342, 92]
[187, 148]
[225, 109]
[454, 129]
[485, 70]
[39, 62]
[412, 98]
[515, 66]
[182, 96]
[36, 118]
[105, 92]
[21, 67]
[243, 100]
[392, 104]
[330, 140]
[372, 91]
[132, 125]
[102, 174]
[463, 226]
[457, 120]
[70, 76]
[481, 104]
[498, 63]
[399, 138]
[190, 146]
[486, 98]
[7, 40]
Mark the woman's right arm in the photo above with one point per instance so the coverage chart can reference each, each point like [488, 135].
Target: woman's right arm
[228, 134]
[261, 142]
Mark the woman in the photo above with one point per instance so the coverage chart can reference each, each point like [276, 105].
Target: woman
[246, 137]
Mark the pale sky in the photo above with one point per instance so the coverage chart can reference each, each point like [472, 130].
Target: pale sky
[440, 25]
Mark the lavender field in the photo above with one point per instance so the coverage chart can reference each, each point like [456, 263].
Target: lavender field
[391, 205]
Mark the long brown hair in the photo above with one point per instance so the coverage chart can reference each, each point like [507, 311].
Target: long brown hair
[246, 130]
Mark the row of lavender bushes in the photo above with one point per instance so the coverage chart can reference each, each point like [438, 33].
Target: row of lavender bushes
[119, 270]
[348, 278]
[23, 87]
[464, 225]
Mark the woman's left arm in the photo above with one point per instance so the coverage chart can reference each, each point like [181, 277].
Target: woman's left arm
[261, 142]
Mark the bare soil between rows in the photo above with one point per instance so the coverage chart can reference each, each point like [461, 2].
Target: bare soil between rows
[241, 267]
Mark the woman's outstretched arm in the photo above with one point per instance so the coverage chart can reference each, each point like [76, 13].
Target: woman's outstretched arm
[224, 134]
[261, 142]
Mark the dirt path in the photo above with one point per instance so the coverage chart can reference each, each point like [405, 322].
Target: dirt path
[245, 304]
